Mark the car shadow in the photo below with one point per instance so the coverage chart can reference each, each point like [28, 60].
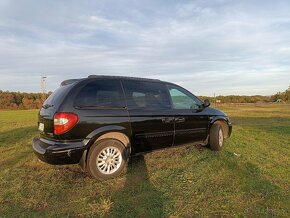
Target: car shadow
[138, 197]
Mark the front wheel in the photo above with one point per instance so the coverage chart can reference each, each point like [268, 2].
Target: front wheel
[106, 159]
[216, 137]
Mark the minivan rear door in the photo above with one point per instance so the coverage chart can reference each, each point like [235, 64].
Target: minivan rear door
[151, 120]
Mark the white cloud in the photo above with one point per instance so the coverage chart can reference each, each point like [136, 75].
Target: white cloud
[98, 22]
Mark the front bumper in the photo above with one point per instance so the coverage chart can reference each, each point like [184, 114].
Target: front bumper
[53, 152]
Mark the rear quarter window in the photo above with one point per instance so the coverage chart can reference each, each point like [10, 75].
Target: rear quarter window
[101, 93]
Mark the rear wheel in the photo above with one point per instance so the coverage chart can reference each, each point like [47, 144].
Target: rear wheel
[216, 137]
[106, 159]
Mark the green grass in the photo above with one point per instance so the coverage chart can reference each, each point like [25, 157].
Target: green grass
[250, 177]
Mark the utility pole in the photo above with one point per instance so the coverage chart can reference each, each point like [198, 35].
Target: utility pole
[214, 100]
[43, 87]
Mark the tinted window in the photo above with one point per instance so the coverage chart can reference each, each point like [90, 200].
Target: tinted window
[146, 95]
[101, 93]
[57, 95]
[182, 99]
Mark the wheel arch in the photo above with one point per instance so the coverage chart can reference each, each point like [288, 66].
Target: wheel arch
[112, 131]
[108, 132]
[116, 135]
[223, 123]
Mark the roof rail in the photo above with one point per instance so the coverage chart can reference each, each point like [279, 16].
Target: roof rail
[122, 77]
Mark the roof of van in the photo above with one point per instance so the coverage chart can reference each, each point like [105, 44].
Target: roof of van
[70, 81]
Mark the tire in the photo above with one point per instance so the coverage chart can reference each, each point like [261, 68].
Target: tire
[216, 137]
[106, 159]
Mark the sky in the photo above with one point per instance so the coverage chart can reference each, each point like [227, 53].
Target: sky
[207, 46]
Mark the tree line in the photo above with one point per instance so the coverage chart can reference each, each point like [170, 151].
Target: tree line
[276, 98]
[22, 100]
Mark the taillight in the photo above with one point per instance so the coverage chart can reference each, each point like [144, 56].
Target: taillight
[63, 122]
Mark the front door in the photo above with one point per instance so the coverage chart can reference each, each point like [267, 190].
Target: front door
[150, 114]
[191, 124]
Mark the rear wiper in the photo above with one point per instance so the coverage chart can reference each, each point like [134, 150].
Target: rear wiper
[47, 106]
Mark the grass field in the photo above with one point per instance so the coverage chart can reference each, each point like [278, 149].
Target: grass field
[250, 177]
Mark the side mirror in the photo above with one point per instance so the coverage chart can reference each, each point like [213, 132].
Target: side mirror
[206, 103]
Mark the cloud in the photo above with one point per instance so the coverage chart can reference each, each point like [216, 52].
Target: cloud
[223, 46]
[97, 22]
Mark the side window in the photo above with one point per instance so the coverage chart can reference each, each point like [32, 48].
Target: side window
[139, 99]
[146, 95]
[182, 99]
[101, 93]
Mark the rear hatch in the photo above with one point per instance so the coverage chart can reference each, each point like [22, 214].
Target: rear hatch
[49, 108]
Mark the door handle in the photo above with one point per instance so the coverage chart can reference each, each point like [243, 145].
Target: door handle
[167, 120]
[179, 119]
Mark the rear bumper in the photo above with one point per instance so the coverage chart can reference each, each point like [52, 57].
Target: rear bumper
[58, 152]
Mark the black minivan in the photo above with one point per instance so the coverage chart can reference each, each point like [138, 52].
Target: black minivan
[99, 121]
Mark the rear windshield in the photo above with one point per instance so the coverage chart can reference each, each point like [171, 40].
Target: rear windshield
[56, 96]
